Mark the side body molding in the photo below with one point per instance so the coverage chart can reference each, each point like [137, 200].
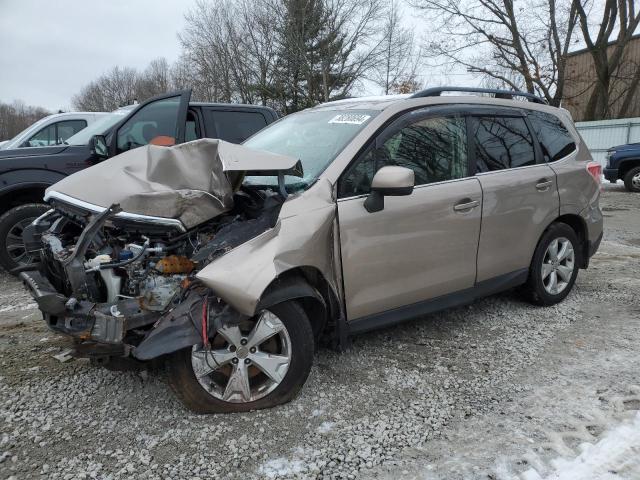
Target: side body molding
[302, 237]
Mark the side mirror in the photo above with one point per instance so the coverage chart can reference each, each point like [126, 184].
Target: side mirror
[98, 145]
[389, 181]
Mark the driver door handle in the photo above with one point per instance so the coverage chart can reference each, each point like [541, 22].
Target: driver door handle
[466, 205]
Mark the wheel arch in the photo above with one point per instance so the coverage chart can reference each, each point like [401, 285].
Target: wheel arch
[626, 165]
[21, 194]
[308, 286]
[579, 226]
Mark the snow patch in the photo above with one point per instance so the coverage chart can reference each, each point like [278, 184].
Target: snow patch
[615, 456]
[280, 467]
[325, 427]
[17, 307]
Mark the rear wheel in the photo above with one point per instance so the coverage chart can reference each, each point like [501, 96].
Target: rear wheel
[554, 267]
[632, 180]
[259, 363]
[12, 224]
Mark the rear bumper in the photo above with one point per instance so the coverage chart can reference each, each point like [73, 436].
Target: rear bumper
[594, 245]
[611, 174]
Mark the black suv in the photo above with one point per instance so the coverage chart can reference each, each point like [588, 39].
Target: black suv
[165, 120]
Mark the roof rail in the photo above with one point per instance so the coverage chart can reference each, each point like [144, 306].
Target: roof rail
[437, 91]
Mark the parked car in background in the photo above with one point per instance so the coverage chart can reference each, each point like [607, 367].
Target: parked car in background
[233, 261]
[623, 163]
[52, 130]
[165, 120]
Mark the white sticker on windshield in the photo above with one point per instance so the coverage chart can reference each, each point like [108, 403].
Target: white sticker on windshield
[350, 118]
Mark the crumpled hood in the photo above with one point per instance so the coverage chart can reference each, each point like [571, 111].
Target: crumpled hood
[192, 182]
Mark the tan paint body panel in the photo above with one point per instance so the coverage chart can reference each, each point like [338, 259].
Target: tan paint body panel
[415, 249]
[514, 215]
[410, 251]
[191, 182]
[580, 195]
[303, 236]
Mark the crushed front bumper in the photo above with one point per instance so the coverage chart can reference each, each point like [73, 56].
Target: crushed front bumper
[88, 321]
[123, 328]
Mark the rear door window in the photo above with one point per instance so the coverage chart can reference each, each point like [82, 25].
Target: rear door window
[555, 140]
[234, 126]
[192, 130]
[68, 128]
[501, 143]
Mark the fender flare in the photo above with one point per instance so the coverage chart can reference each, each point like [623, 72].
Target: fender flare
[622, 165]
[288, 287]
[181, 327]
[23, 186]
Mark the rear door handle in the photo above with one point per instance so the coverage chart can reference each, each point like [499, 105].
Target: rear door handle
[543, 184]
[466, 205]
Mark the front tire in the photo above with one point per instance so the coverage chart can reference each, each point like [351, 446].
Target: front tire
[554, 267]
[12, 223]
[260, 363]
[632, 180]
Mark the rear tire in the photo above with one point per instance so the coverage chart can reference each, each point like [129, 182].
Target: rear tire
[632, 180]
[552, 275]
[300, 349]
[12, 253]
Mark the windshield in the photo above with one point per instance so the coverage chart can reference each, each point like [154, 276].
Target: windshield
[313, 137]
[99, 127]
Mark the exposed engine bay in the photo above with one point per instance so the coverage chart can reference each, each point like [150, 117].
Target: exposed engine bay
[111, 280]
[122, 250]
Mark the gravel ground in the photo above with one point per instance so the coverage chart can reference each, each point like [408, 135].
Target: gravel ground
[446, 396]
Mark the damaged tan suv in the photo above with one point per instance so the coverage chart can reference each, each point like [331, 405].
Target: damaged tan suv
[233, 262]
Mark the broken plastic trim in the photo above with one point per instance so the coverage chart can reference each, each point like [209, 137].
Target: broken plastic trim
[61, 197]
[74, 264]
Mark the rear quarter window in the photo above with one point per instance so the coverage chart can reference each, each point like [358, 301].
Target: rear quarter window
[554, 138]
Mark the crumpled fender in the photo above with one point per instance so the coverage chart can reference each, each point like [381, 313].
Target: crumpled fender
[174, 331]
[182, 327]
[302, 236]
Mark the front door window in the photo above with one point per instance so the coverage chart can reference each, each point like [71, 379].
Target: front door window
[434, 148]
[155, 123]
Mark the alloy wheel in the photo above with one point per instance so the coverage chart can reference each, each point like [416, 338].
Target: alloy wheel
[15, 245]
[635, 181]
[558, 265]
[246, 362]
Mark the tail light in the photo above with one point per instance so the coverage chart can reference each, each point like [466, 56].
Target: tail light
[595, 170]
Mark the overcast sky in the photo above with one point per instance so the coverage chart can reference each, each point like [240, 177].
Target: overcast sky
[49, 49]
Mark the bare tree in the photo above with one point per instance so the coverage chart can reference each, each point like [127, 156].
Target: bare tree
[396, 70]
[289, 54]
[356, 24]
[206, 43]
[17, 116]
[122, 86]
[522, 46]
[617, 16]
[154, 80]
[110, 91]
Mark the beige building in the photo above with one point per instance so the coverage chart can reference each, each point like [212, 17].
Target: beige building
[580, 79]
